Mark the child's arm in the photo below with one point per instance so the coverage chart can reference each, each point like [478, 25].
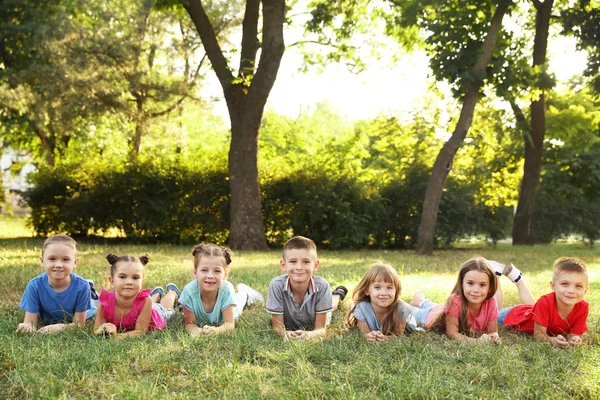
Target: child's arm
[190, 322]
[278, 325]
[370, 336]
[453, 332]
[574, 340]
[492, 332]
[540, 332]
[228, 324]
[319, 331]
[100, 324]
[29, 324]
[142, 323]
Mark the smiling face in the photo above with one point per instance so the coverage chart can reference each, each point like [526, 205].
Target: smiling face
[58, 261]
[210, 273]
[128, 279]
[381, 293]
[300, 265]
[476, 286]
[570, 287]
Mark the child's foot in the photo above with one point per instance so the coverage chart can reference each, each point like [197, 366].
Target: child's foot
[340, 291]
[254, 296]
[497, 267]
[418, 299]
[513, 273]
[93, 293]
[173, 287]
[158, 290]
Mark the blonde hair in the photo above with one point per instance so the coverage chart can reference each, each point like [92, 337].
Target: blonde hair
[568, 264]
[474, 264]
[59, 238]
[391, 319]
[211, 250]
[299, 242]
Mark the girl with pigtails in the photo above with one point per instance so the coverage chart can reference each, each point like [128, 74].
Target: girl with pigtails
[129, 311]
[210, 304]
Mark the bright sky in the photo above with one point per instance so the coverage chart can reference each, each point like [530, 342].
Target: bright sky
[381, 88]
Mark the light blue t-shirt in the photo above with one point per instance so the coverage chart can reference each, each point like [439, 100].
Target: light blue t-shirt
[53, 307]
[190, 298]
[364, 312]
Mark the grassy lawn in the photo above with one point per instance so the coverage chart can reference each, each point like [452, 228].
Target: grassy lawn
[252, 362]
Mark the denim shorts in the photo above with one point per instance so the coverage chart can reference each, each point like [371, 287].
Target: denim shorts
[502, 313]
[166, 313]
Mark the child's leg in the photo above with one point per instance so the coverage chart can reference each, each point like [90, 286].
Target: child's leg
[515, 275]
[241, 300]
[337, 295]
[246, 296]
[420, 308]
[499, 295]
[157, 294]
[169, 299]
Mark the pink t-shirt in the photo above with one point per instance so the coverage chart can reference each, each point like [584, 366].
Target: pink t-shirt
[107, 299]
[524, 316]
[488, 312]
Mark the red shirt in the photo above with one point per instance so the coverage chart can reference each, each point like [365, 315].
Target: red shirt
[523, 317]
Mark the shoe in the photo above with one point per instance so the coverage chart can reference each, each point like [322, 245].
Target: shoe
[93, 293]
[497, 267]
[254, 296]
[173, 287]
[158, 290]
[513, 273]
[340, 291]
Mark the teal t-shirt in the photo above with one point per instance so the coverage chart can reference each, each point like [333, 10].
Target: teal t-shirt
[190, 298]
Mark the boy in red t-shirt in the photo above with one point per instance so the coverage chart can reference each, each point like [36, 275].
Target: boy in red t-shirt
[558, 317]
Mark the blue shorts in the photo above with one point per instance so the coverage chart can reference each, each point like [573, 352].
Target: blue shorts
[503, 313]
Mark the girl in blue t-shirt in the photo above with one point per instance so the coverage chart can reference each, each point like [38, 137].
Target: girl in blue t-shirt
[377, 309]
[210, 304]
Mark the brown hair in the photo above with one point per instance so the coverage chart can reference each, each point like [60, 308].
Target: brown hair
[568, 264]
[474, 264]
[59, 238]
[113, 259]
[388, 274]
[211, 250]
[299, 242]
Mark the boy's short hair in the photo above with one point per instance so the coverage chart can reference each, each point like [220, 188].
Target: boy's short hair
[299, 242]
[569, 264]
[60, 238]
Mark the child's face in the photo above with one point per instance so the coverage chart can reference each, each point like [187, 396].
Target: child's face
[570, 287]
[58, 261]
[128, 278]
[476, 286]
[210, 273]
[300, 264]
[382, 293]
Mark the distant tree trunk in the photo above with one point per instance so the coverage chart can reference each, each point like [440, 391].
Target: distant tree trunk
[246, 99]
[48, 145]
[523, 221]
[443, 162]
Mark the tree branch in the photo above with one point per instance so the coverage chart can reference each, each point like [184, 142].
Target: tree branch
[537, 4]
[209, 40]
[250, 43]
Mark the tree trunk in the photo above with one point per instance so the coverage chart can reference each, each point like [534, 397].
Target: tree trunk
[246, 102]
[443, 162]
[523, 221]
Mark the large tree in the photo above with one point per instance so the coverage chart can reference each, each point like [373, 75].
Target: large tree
[246, 91]
[451, 50]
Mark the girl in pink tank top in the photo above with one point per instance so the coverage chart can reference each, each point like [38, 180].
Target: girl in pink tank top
[128, 310]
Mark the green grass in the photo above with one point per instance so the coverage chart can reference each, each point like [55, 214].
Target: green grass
[252, 362]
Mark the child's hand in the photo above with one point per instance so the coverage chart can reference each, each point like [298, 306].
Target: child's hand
[374, 337]
[209, 330]
[196, 332]
[575, 340]
[298, 335]
[485, 338]
[106, 328]
[26, 327]
[52, 328]
[559, 341]
[494, 337]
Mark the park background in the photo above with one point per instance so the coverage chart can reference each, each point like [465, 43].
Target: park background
[452, 128]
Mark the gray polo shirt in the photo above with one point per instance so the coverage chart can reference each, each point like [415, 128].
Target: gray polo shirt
[281, 301]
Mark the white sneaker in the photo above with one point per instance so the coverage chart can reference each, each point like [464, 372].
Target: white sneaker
[254, 296]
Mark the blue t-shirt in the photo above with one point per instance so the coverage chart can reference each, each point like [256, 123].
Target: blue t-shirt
[190, 298]
[53, 307]
[364, 312]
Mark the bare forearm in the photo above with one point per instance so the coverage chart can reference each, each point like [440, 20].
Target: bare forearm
[226, 327]
[129, 334]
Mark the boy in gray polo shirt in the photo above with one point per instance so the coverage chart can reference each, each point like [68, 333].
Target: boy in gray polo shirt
[298, 301]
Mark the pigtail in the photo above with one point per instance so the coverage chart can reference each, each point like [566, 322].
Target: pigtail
[145, 259]
[112, 258]
[227, 254]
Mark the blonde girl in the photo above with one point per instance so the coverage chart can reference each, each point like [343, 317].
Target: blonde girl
[210, 304]
[377, 309]
[471, 311]
[128, 310]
